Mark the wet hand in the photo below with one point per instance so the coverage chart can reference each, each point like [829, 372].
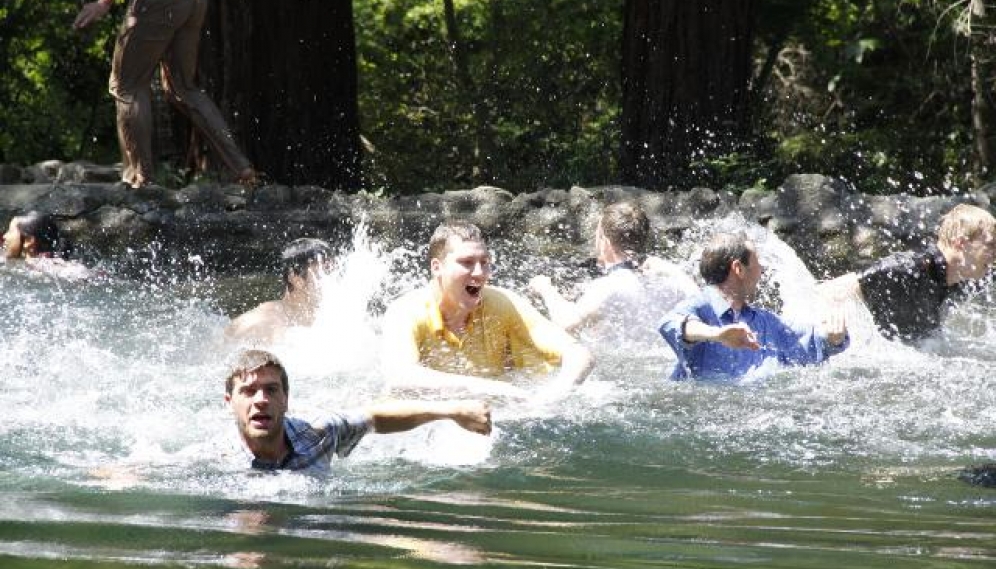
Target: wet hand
[738, 336]
[91, 12]
[475, 416]
[835, 327]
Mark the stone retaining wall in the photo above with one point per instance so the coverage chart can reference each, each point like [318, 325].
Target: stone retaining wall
[235, 229]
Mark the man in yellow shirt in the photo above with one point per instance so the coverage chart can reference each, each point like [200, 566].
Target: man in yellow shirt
[459, 333]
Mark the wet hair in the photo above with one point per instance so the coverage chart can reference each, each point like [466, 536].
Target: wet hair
[719, 254]
[252, 360]
[627, 227]
[965, 221]
[438, 243]
[298, 257]
[43, 229]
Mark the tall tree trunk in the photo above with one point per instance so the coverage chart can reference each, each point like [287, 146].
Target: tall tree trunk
[473, 91]
[285, 72]
[685, 85]
[983, 49]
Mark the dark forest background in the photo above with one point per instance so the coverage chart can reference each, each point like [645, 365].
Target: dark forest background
[402, 96]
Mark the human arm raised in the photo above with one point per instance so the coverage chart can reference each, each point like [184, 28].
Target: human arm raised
[398, 416]
[568, 315]
[91, 12]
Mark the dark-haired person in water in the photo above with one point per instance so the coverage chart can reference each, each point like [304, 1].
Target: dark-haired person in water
[35, 240]
[721, 334]
[305, 261]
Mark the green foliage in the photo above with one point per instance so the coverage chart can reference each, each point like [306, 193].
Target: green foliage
[527, 97]
[525, 94]
[876, 92]
[53, 101]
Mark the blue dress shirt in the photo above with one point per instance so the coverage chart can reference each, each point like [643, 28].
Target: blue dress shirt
[788, 344]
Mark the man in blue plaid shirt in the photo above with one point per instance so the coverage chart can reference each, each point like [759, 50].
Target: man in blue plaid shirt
[257, 392]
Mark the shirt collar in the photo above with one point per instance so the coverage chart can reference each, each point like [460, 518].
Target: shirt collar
[436, 325]
[719, 304]
[259, 463]
[627, 265]
[435, 316]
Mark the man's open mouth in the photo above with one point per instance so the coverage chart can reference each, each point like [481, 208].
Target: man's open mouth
[260, 419]
[473, 290]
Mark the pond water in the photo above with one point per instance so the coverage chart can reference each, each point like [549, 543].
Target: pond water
[112, 396]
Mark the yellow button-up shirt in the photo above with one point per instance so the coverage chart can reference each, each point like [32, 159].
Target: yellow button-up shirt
[503, 332]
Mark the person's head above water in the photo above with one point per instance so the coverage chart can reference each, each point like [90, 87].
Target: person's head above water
[626, 228]
[730, 262]
[303, 257]
[460, 265]
[33, 234]
[257, 389]
[966, 236]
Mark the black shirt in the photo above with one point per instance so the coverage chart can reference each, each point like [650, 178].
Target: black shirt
[906, 293]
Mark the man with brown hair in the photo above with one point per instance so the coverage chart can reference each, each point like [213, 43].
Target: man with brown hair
[257, 388]
[720, 334]
[459, 332]
[628, 302]
[164, 33]
[305, 262]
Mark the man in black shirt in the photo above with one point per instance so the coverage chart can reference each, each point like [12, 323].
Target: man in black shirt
[907, 293]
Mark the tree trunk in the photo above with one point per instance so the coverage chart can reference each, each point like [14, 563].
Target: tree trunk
[685, 85]
[983, 49]
[285, 74]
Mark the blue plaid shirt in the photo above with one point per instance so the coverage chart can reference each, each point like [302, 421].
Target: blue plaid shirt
[788, 344]
[312, 446]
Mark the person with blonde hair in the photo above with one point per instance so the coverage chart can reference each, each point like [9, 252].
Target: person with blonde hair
[909, 292]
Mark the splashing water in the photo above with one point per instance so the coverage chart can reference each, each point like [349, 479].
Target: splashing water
[117, 387]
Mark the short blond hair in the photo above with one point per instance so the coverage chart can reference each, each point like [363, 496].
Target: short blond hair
[965, 221]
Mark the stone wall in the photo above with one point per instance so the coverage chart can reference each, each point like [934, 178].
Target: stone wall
[237, 229]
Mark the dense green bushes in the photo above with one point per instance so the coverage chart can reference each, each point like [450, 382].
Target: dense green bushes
[525, 94]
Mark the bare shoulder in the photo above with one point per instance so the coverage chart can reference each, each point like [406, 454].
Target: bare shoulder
[264, 322]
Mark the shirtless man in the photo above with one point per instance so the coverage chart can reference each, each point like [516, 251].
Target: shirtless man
[460, 333]
[305, 261]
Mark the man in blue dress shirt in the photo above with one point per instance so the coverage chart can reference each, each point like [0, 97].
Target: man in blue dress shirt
[719, 335]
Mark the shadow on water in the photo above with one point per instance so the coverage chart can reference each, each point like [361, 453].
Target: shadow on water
[113, 451]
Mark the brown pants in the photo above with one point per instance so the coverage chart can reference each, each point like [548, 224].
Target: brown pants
[166, 32]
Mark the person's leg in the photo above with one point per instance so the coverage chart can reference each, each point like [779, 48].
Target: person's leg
[179, 70]
[143, 39]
